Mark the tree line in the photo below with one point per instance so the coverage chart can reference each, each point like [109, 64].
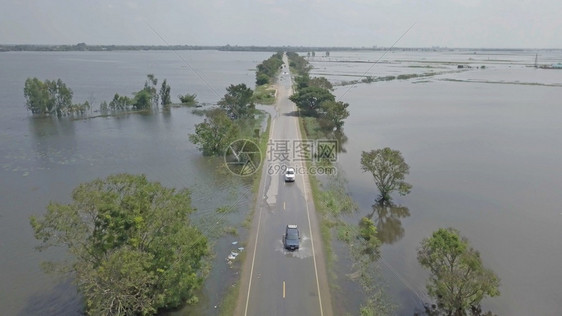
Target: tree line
[314, 98]
[54, 98]
[268, 69]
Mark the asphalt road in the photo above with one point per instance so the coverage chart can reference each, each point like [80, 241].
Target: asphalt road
[275, 281]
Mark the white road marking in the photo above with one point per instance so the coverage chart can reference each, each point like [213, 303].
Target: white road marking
[256, 242]
[310, 230]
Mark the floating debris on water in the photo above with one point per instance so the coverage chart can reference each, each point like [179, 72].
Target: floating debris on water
[233, 254]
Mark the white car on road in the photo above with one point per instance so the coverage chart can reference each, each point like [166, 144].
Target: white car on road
[290, 175]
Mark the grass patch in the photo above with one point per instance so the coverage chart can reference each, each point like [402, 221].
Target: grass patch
[264, 94]
[230, 300]
[231, 230]
[311, 128]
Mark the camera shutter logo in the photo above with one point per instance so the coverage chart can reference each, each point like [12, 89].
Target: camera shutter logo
[243, 157]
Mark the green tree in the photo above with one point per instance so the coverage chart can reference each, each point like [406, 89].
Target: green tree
[51, 97]
[120, 103]
[320, 82]
[298, 63]
[370, 244]
[79, 108]
[302, 82]
[165, 98]
[388, 169]
[150, 86]
[215, 133]
[267, 70]
[237, 102]
[143, 100]
[309, 99]
[334, 112]
[261, 79]
[36, 96]
[132, 247]
[188, 99]
[458, 280]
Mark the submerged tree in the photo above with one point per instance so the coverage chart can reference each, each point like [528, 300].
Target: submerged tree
[458, 280]
[51, 97]
[143, 100]
[120, 103]
[165, 97]
[150, 87]
[188, 99]
[388, 169]
[132, 247]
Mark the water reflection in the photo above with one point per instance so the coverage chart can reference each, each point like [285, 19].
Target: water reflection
[389, 225]
[50, 126]
[53, 140]
[340, 136]
[62, 299]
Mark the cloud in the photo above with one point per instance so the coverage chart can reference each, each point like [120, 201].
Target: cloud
[467, 23]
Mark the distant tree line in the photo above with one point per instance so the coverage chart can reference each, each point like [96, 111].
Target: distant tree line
[251, 48]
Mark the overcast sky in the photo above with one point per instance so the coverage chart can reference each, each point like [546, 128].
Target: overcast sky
[446, 23]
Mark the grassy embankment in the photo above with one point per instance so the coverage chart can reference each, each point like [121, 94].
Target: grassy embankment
[264, 94]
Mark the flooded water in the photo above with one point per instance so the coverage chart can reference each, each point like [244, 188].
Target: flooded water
[484, 148]
[42, 160]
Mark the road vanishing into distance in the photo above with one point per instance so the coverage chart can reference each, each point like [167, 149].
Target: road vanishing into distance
[276, 281]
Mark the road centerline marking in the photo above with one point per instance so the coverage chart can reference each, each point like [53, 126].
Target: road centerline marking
[283, 289]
